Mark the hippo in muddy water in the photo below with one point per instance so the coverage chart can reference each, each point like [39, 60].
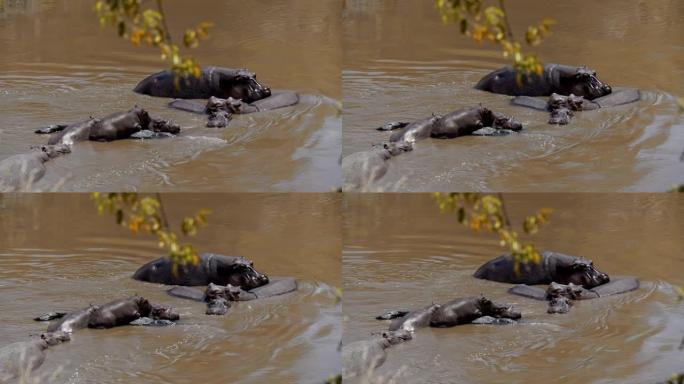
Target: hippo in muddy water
[553, 267]
[24, 357]
[211, 268]
[455, 312]
[219, 298]
[117, 126]
[113, 314]
[19, 172]
[568, 272]
[363, 356]
[213, 81]
[458, 123]
[220, 111]
[556, 78]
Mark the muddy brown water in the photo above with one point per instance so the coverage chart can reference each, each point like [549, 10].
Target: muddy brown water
[59, 66]
[400, 252]
[401, 63]
[56, 253]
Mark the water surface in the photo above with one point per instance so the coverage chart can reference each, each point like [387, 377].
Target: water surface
[400, 252]
[402, 63]
[59, 66]
[56, 253]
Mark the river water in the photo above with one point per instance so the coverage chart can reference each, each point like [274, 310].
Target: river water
[56, 253]
[401, 63]
[58, 66]
[400, 252]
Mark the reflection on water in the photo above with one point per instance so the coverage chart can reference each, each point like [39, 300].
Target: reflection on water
[59, 66]
[401, 253]
[52, 264]
[402, 68]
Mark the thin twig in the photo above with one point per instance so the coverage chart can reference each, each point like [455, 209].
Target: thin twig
[167, 34]
[507, 221]
[509, 30]
[165, 221]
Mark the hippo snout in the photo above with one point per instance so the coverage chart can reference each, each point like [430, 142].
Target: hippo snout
[607, 89]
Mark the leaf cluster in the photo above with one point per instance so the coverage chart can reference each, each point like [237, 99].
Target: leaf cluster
[146, 214]
[491, 24]
[483, 212]
[148, 26]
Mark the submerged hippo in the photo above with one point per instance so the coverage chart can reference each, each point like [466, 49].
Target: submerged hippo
[362, 170]
[214, 81]
[211, 268]
[562, 107]
[552, 267]
[572, 291]
[117, 126]
[219, 298]
[556, 78]
[24, 357]
[220, 111]
[113, 314]
[362, 357]
[458, 123]
[19, 172]
[456, 312]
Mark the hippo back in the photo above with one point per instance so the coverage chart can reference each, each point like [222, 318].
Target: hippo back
[502, 269]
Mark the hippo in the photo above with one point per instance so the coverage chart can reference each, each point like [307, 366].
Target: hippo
[362, 357]
[556, 78]
[458, 123]
[562, 108]
[24, 357]
[466, 310]
[117, 126]
[455, 312]
[362, 170]
[219, 298]
[414, 319]
[113, 314]
[211, 268]
[19, 172]
[553, 267]
[213, 81]
[617, 285]
[220, 111]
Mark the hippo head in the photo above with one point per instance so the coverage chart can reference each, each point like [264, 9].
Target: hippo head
[242, 85]
[55, 150]
[162, 312]
[396, 337]
[144, 306]
[501, 121]
[490, 308]
[240, 273]
[582, 272]
[583, 82]
[54, 338]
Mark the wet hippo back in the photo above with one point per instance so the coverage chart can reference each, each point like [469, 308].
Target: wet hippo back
[553, 267]
[556, 78]
[416, 319]
[21, 358]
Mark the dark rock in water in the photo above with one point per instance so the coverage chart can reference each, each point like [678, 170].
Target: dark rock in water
[50, 316]
[148, 322]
